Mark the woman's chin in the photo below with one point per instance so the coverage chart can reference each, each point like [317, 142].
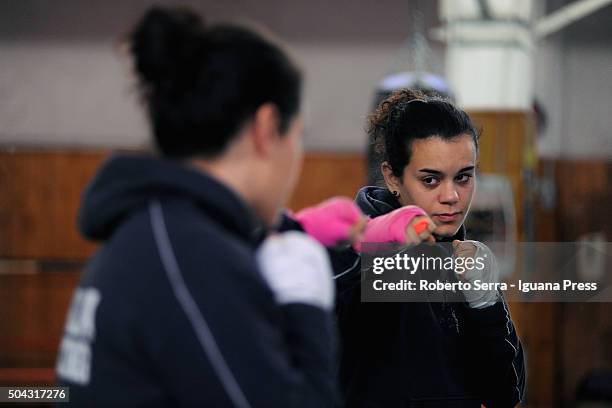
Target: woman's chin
[447, 230]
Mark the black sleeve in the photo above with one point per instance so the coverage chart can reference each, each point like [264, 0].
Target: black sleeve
[346, 264]
[239, 353]
[226, 343]
[287, 223]
[493, 344]
[310, 333]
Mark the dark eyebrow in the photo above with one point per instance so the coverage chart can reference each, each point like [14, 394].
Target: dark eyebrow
[438, 172]
[468, 168]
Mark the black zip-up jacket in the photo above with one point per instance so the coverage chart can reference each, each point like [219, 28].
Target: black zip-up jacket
[173, 311]
[422, 354]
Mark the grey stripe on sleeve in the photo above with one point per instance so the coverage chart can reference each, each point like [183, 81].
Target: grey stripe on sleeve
[518, 391]
[349, 269]
[189, 306]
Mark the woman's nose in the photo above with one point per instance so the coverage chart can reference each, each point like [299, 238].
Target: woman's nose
[449, 194]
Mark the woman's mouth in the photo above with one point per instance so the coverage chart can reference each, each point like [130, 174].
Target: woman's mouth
[448, 217]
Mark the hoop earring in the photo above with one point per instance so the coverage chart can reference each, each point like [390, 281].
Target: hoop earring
[396, 194]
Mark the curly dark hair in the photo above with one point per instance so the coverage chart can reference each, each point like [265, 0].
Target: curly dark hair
[407, 115]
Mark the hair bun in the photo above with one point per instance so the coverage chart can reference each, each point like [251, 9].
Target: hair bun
[165, 46]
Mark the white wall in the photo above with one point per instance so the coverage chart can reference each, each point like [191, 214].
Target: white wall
[587, 115]
[68, 94]
[63, 82]
[549, 90]
[573, 80]
[83, 94]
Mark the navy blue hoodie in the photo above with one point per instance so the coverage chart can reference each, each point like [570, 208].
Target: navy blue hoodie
[421, 354]
[172, 310]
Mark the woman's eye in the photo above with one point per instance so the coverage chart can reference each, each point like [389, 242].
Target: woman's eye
[430, 181]
[463, 178]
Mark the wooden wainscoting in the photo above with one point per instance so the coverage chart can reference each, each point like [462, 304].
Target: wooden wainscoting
[39, 197]
[325, 175]
[34, 297]
[40, 193]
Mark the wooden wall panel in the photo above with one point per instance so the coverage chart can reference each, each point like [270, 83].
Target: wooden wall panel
[505, 142]
[34, 298]
[40, 193]
[325, 175]
[580, 337]
[32, 316]
[39, 198]
[584, 198]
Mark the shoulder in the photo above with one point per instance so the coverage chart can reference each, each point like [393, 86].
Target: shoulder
[175, 235]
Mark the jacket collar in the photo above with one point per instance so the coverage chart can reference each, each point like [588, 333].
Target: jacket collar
[126, 183]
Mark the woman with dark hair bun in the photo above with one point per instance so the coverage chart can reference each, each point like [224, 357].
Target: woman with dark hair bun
[191, 300]
[201, 84]
[462, 353]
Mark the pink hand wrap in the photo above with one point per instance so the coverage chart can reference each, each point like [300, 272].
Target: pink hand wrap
[390, 227]
[329, 222]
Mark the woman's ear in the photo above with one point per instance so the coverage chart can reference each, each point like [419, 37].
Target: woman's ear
[392, 182]
[265, 127]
